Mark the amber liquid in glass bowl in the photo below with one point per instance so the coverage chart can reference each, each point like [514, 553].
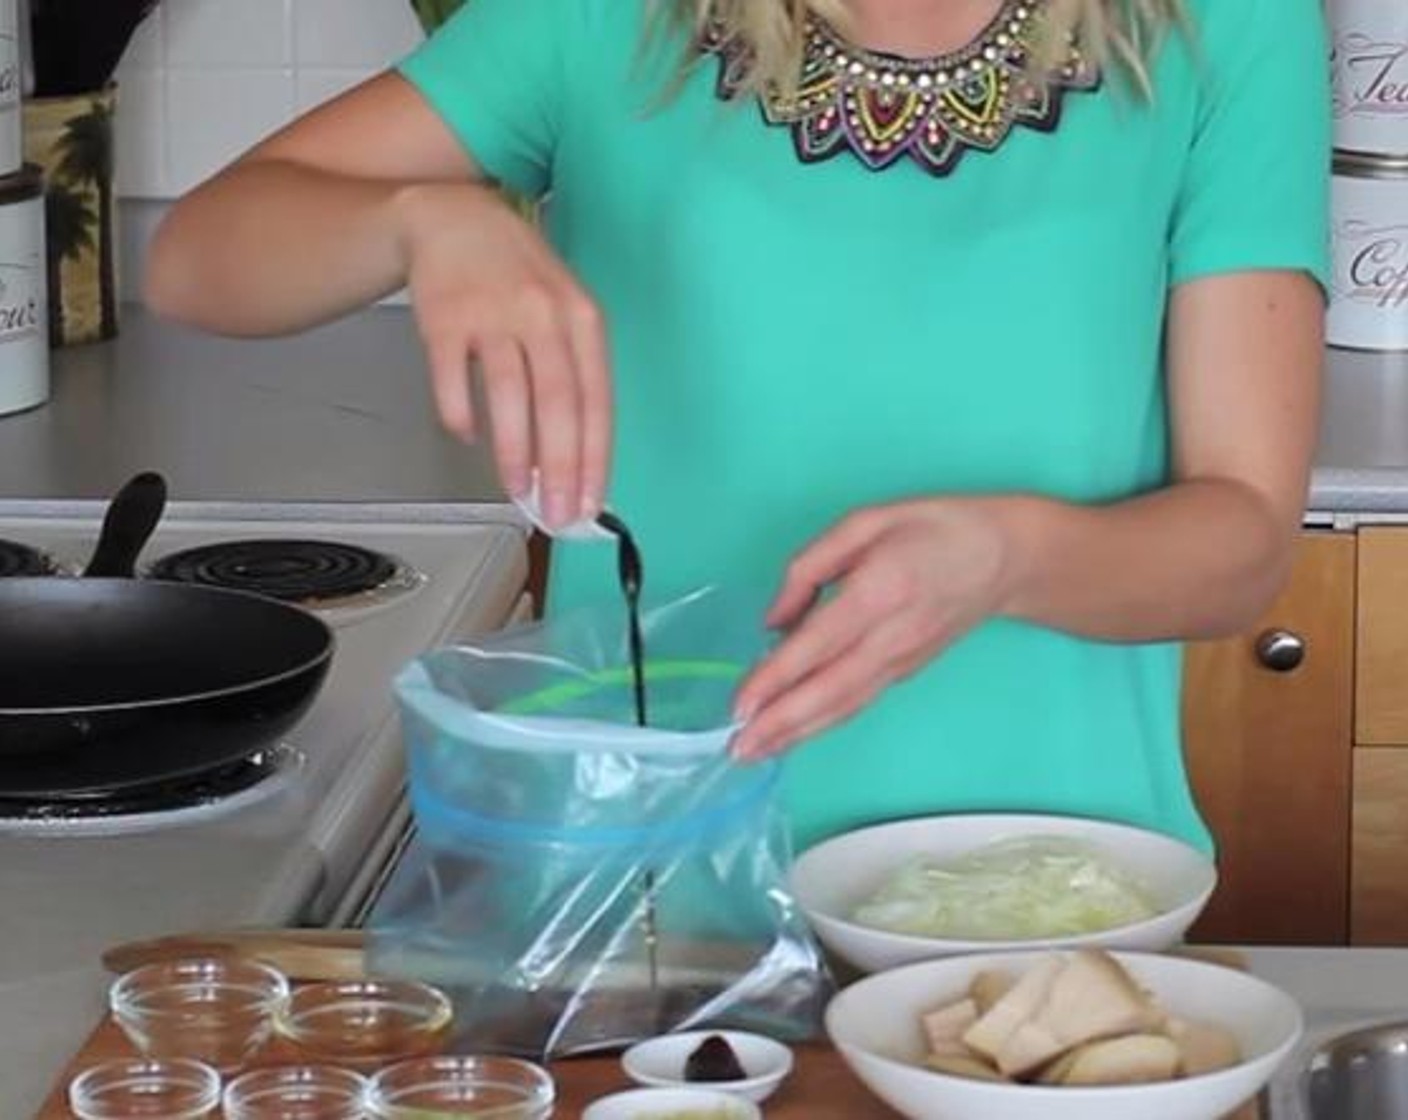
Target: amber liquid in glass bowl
[365, 1025]
[462, 1088]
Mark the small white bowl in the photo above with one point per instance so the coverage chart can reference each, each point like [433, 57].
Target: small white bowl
[650, 1104]
[830, 880]
[875, 1024]
[660, 1062]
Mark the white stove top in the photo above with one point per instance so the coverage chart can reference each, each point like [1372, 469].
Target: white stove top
[293, 850]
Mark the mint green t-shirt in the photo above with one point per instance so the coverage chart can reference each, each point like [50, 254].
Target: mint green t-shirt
[792, 342]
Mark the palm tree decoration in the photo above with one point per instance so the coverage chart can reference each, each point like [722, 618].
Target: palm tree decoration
[68, 133]
[432, 13]
[85, 156]
[68, 234]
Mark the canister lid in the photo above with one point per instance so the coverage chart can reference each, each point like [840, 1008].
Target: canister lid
[1363, 165]
[24, 184]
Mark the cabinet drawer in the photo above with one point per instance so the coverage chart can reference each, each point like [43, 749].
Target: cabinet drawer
[1381, 690]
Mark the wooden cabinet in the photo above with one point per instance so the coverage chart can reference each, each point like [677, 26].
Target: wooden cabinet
[1269, 720]
[1381, 702]
[1379, 876]
[1297, 747]
[1379, 841]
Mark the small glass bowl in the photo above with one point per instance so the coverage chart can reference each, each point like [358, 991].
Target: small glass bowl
[484, 1088]
[145, 1089]
[296, 1093]
[216, 1011]
[365, 1024]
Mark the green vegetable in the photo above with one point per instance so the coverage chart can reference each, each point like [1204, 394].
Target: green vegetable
[1022, 889]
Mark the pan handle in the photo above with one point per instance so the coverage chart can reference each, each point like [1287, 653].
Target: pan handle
[128, 525]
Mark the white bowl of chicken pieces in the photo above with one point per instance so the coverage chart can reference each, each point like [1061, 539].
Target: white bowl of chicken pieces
[1064, 1035]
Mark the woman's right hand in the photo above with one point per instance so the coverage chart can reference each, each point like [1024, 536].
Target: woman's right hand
[488, 290]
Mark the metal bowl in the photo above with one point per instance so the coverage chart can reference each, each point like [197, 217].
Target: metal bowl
[1362, 1075]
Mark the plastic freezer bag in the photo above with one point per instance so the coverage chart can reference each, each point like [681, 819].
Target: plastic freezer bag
[581, 882]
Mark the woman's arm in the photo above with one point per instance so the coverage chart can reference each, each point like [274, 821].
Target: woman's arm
[1199, 558]
[1205, 556]
[309, 224]
[372, 192]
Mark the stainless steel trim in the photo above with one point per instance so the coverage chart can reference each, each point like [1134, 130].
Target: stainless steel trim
[378, 865]
[493, 515]
[1364, 165]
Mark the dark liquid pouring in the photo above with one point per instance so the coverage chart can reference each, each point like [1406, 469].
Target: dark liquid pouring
[632, 575]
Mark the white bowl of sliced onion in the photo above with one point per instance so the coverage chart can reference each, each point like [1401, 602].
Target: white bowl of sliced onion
[932, 887]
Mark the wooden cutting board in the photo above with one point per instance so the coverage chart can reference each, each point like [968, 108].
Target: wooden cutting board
[820, 1088]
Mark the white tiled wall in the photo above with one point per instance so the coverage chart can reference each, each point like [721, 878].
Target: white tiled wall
[204, 79]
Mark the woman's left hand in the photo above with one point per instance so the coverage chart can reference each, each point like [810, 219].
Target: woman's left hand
[909, 578]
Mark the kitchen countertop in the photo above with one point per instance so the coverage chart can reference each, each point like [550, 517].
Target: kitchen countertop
[344, 413]
[1338, 989]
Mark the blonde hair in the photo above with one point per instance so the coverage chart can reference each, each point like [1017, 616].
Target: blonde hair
[1122, 31]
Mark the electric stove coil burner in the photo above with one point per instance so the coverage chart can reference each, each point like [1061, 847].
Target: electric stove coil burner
[294, 571]
[210, 787]
[20, 560]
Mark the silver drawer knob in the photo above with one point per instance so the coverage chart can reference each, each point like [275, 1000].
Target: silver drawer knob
[1281, 651]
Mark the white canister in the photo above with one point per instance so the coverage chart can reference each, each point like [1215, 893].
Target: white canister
[1369, 60]
[24, 317]
[1369, 226]
[11, 88]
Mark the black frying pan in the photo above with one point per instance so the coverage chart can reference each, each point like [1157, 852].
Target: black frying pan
[110, 683]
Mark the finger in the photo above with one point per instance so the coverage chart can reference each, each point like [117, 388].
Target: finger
[800, 616]
[834, 693]
[822, 562]
[827, 631]
[591, 357]
[556, 421]
[505, 378]
[447, 354]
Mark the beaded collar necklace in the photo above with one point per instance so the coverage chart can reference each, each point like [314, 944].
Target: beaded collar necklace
[881, 107]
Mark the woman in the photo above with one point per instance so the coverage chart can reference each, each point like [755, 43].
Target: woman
[1011, 347]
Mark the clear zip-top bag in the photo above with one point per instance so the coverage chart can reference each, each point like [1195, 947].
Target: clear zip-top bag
[581, 882]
